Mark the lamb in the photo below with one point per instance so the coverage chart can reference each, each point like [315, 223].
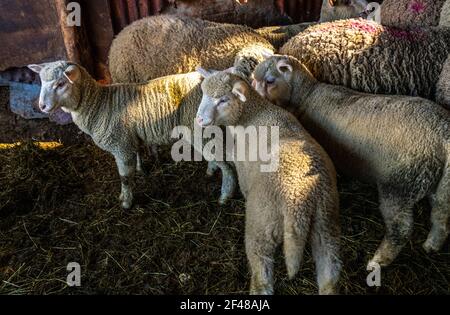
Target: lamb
[368, 57]
[413, 13]
[331, 10]
[399, 143]
[297, 199]
[162, 45]
[121, 118]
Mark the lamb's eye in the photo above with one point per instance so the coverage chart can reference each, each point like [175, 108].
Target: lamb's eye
[223, 100]
[60, 84]
[270, 80]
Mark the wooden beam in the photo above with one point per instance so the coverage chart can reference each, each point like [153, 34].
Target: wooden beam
[75, 37]
[133, 13]
[143, 8]
[29, 33]
[120, 17]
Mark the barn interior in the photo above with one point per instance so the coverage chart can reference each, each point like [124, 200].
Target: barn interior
[58, 190]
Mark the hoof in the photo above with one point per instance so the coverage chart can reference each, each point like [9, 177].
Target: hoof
[429, 247]
[262, 291]
[328, 290]
[376, 260]
[126, 205]
[223, 200]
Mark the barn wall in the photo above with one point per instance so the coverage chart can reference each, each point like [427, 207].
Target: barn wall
[29, 32]
[32, 31]
[125, 12]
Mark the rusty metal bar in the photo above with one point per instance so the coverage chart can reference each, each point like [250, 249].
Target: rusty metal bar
[143, 8]
[120, 19]
[75, 38]
[133, 13]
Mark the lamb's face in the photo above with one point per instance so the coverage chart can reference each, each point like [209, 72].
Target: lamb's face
[333, 10]
[58, 85]
[272, 79]
[222, 100]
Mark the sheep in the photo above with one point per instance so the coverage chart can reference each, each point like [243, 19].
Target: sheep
[399, 143]
[162, 45]
[279, 35]
[412, 13]
[368, 57]
[444, 21]
[331, 10]
[443, 86]
[120, 118]
[287, 204]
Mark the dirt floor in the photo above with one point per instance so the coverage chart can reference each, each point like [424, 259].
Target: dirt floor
[60, 205]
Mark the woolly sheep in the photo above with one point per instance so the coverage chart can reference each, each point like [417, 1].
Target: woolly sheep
[445, 15]
[279, 35]
[412, 13]
[399, 143]
[286, 205]
[121, 118]
[443, 86]
[162, 45]
[368, 57]
[331, 10]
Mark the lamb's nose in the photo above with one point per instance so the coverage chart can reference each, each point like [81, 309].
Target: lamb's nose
[42, 106]
[203, 122]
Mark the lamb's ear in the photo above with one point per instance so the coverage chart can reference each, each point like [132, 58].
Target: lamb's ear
[329, 3]
[72, 73]
[231, 70]
[267, 54]
[36, 68]
[283, 66]
[205, 73]
[240, 90]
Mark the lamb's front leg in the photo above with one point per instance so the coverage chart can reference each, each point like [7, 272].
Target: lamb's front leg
[126, 164]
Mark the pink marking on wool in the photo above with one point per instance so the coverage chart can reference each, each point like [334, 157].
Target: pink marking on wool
[417, 6]
[408, 35]
[363, 26]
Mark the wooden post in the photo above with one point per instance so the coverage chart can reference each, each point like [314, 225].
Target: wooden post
[75, 38]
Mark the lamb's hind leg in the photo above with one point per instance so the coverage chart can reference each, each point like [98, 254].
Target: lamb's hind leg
[398, 219]
[260, 247]
[126, 164]
[325, 245]
[440, 213]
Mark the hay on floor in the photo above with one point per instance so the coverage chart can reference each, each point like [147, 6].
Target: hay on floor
[60, 205]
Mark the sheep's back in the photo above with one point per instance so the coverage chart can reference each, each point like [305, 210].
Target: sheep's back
[411, 13]
[445, 15]
[368, 57]
[162, 45]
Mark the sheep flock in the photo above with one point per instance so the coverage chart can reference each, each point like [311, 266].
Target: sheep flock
[353, 100]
